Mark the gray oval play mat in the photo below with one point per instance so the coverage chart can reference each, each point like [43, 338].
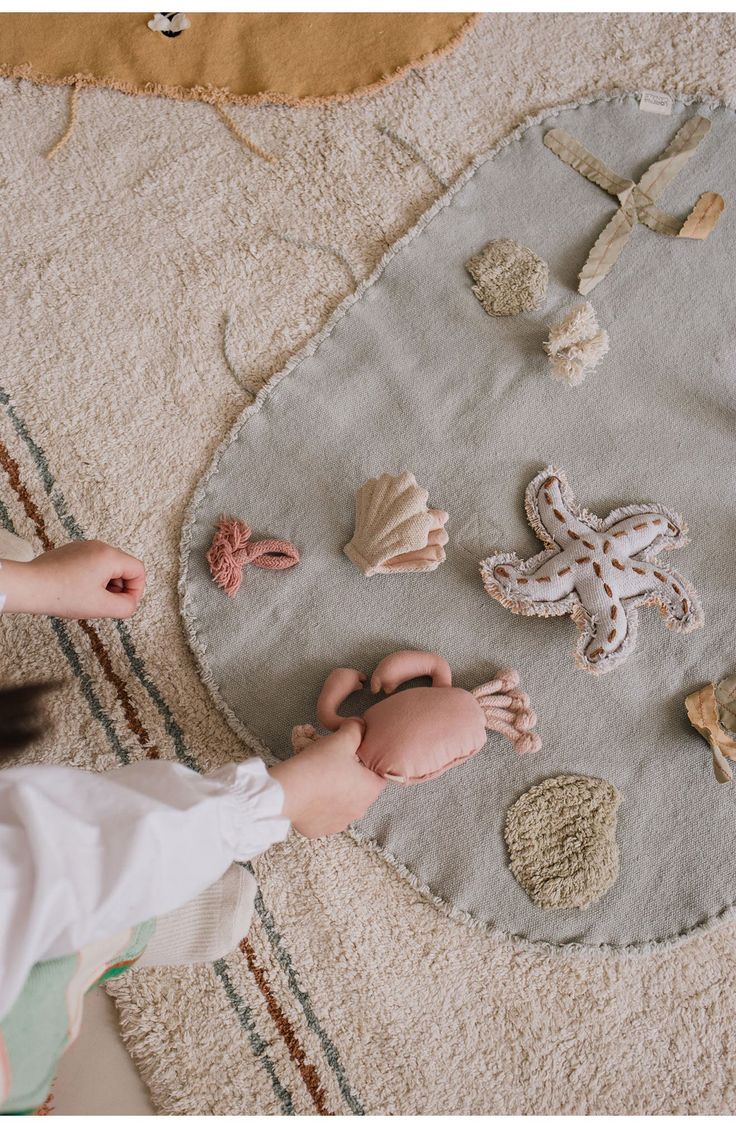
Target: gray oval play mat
[413, 374]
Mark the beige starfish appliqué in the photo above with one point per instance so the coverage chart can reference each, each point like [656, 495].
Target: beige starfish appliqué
[638, 201]
[599, 571]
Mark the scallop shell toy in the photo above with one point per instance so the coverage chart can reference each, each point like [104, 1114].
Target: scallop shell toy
[395, 531]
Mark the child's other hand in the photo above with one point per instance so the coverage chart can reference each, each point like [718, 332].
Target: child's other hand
[325, 786]
[81, 580]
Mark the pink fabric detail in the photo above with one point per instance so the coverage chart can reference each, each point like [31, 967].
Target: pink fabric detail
[302, 736]
[405, 665]
[419, 733]
[232, 549]
[337, 688]
[507, 711]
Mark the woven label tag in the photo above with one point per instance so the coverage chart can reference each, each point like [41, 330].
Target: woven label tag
[654, 102]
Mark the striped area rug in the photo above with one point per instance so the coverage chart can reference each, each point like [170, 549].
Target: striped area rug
[155, 275]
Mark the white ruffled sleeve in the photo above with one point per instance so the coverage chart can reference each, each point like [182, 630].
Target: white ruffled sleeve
[85, 855]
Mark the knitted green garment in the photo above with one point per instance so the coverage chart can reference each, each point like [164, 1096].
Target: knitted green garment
[47, 1014]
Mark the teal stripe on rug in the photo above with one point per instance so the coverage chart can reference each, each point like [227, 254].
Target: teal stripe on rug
[328, 1046]
[72, 657]
[138, 667]
[258, 1045]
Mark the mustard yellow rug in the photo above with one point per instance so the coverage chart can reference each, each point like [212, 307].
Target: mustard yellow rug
[238, 57]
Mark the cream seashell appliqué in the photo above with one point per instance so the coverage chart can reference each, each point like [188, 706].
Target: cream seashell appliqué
[395, 531]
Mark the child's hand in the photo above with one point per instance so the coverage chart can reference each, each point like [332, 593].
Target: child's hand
[81, 580]
[326, 787]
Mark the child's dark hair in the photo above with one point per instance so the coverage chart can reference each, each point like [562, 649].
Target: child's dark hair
[22, 717]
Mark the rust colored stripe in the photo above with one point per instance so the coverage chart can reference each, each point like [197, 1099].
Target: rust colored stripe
[618, 564]
[308, 1072]
[563, 571]
[133, 721]
[597, 569]
[559, 516]
[607, 589]
[13, 471]
[572, 535]
[639, 571]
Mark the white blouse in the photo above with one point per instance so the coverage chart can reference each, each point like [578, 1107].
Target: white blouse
[85, 855]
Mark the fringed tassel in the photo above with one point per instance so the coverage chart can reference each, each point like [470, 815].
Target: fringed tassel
[71, 121]
[232, 549]
[241, 137]
[507, 711]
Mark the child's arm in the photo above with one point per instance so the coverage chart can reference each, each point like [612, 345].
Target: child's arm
[85, 855]
[81, 580]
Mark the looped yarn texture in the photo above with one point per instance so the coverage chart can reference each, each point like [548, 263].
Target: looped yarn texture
[232, 549]
[507, 711]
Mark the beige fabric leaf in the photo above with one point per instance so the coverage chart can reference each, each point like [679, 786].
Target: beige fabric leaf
[703, 217]
[638, 201]
[703, 713]
[607, 249]
[679, 151]
[570, 150]
[726, 697]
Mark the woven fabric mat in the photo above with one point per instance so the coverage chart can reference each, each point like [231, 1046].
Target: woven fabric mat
[154, 275]
[430, 383]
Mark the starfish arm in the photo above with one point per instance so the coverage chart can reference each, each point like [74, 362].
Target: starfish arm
[645, 527]
[675, 156]
[609, 634]
[549, 508]
[543, 585]
[607, 248]
[646, 582]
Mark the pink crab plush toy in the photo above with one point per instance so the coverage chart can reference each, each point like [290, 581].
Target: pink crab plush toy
[421, 732]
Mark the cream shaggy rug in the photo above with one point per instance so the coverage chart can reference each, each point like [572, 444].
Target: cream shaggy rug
[154, 275]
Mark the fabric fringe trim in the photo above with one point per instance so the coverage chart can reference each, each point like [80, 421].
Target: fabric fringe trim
[635, 950]
[200, 493]
[220, 95]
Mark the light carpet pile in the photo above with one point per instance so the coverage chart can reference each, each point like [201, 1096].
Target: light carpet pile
[154, 275]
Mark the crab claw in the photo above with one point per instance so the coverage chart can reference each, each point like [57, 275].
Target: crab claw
[337, 688]
[404, 665]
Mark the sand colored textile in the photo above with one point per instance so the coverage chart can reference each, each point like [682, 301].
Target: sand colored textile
[236, 57]
[561, 837]
[509, 278]
[709, 710]
[153, 279]
[638, 200]
[576, 345]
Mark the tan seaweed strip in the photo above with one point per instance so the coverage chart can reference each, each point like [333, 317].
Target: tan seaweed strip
[71, 121]
[638, 201]
[242, 137]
